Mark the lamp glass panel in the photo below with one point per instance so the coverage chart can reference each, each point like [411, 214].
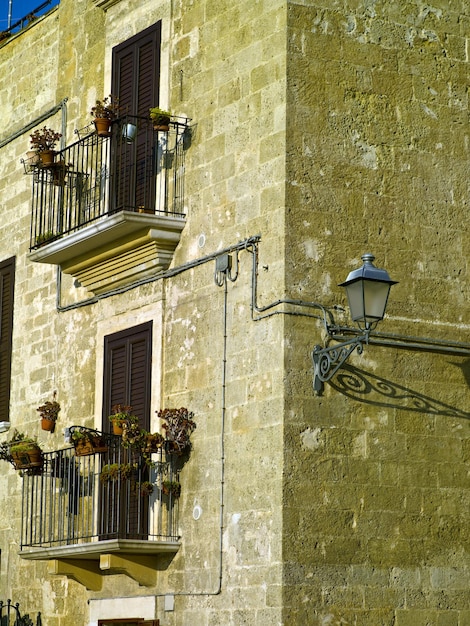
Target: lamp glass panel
[367, 299]
[375, 299]
[356, 300]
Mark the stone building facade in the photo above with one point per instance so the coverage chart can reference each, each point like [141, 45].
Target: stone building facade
[305, 134]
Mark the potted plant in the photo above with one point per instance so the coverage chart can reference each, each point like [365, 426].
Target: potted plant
[146, 488]
[22, 452]
[171, 487]
[122, 417]
[178, 426]
[87, 441]
[59, 173]
[103, 113]
[49, 412]
[152, 442]
[160, 119]
[117, 471]
[43, 142]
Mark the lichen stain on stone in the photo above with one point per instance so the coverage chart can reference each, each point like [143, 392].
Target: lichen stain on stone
[311, 439]
[367, 153]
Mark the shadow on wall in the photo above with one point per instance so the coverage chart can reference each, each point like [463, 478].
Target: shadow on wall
[377, 391]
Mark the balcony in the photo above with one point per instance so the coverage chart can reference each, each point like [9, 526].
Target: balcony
[110, 209]
[101, 513]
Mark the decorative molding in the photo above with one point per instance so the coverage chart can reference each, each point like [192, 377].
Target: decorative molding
[118, 250]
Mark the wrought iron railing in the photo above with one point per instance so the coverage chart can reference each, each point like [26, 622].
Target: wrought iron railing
[26, 20]
[118, 493]
[10, 615]
[135, 169]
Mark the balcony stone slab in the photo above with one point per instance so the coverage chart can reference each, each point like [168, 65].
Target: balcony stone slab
[86, 563]
[116, 250]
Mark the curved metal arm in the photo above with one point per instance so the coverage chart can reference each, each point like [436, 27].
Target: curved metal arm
[327, 361]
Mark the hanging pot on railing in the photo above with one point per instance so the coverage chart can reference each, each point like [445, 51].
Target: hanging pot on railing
[103, 126]
[47, 157]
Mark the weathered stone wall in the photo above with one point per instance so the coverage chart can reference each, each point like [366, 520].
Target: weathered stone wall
[376, 469]
[330, 129]
[223, 66]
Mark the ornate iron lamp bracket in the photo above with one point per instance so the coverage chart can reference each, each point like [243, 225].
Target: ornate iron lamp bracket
[327, 361]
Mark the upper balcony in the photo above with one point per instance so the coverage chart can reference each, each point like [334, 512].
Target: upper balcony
[110, 209]
[93, 511]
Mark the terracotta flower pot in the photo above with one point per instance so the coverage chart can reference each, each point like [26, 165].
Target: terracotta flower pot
[47, 157]
[103, 126]
[27, 456]
[117, 427]
[48, 425]
[162, 123]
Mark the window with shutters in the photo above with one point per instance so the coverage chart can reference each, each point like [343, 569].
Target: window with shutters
[7, 284]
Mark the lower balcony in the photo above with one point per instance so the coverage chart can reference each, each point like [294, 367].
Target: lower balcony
[109, 210]
[101, 513]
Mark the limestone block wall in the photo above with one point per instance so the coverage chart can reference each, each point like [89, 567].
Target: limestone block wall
[376, 487]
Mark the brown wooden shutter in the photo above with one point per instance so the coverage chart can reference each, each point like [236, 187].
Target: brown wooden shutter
[136, 82]
[136, 71]
[127, 370]
[7, 285]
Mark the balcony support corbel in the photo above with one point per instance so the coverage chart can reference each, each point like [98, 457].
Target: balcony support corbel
[83, 571]
[141, 568]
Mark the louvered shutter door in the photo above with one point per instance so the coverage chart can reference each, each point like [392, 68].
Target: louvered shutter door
[128, 358]
[136, 73]
[127, 379]
[7, 284]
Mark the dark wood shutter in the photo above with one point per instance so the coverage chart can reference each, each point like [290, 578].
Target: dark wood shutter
[127, 381]
[7, 285]
[136, 71]
[136, 82]
[127, 369]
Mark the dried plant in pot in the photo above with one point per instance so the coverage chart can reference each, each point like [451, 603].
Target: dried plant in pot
[43, 142]
[49, 412]
[178, 425]
[103, 113]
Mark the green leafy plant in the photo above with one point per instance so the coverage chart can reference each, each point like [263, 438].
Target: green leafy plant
[156, 114]
[44, 139]
[19, 445]
[44, 237]
[146, 488]
[171, 487]
[117, 471]
[87, 440]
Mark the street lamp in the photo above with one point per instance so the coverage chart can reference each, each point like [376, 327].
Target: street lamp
[367, 289]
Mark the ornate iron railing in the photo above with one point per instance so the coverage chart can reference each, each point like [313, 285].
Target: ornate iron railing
[118, 493]
[10, 615]
[134, 169]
